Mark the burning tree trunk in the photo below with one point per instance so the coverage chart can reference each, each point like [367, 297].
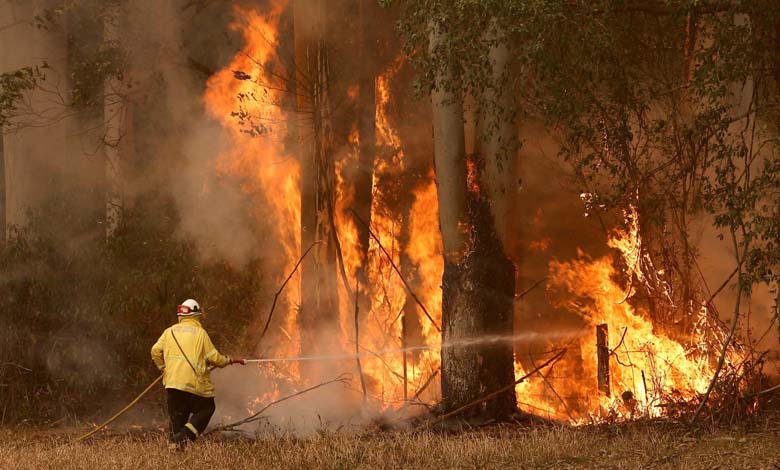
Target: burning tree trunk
[319, 311]
[366, 109]
[478, 279]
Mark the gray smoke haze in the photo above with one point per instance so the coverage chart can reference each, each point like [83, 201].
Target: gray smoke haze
[215, 213]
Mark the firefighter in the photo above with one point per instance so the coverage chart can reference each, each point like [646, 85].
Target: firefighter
[185, 355]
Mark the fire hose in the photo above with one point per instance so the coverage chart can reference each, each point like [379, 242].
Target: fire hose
[121, 412]
[332, 357]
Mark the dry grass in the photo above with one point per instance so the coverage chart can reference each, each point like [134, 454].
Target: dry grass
[639, 446]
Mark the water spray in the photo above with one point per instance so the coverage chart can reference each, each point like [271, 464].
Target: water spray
[482, 340]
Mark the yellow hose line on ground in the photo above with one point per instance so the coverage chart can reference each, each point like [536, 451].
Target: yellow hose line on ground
[130, 405]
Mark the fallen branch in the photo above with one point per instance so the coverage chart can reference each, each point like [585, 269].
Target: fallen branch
[281, 288]
[498, 392]
[398, 271]
[343, 379]
[764, 392]
[415, 400]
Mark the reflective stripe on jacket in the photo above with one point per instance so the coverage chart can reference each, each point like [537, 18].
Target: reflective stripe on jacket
[200, 351]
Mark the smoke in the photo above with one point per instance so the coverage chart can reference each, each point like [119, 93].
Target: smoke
[214, 212]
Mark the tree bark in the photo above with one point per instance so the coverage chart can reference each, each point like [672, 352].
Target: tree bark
[497, 142]
[477, 303]
[459, 367]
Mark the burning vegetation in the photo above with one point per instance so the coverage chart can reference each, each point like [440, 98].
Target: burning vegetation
[554, 224]
[383, 268]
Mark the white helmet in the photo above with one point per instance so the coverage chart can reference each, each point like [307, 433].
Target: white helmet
[188, 308]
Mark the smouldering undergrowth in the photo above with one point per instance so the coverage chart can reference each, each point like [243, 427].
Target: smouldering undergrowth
[639, 446]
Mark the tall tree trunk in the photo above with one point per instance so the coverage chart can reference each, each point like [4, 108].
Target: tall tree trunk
[459, 366]
[477, 273]
[319, 312]
[497, 142]
[366, 109]
[493, 207]
[115, 121]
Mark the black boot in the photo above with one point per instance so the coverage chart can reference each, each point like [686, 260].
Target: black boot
[179, 441]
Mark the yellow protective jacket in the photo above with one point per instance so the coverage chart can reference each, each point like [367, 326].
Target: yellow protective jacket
[200, 351]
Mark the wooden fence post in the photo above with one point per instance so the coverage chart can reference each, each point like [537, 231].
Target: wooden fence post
[602, 350]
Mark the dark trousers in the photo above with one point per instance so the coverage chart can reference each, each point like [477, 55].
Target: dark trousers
[185, 407]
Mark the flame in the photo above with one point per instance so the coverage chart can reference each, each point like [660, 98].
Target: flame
[647, 367]
[245, 99]
[383, 326]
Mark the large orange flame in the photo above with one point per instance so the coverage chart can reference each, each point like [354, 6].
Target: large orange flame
[245, 98]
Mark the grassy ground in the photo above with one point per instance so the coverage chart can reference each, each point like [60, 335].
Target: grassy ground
[635, 446]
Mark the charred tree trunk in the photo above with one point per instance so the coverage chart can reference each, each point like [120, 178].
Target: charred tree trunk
[478, 279]
[477, 302]
[319, 314]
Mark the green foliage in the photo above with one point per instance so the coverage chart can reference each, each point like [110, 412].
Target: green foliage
[93, 58]
[670, 107]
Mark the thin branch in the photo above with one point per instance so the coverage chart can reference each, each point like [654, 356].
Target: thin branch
[281, 288]
[625, 330]
[527, 291]
[15, 365]
[425, 385]
[398, 271]
[549, 385]
[727, 342]
[722, 286]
